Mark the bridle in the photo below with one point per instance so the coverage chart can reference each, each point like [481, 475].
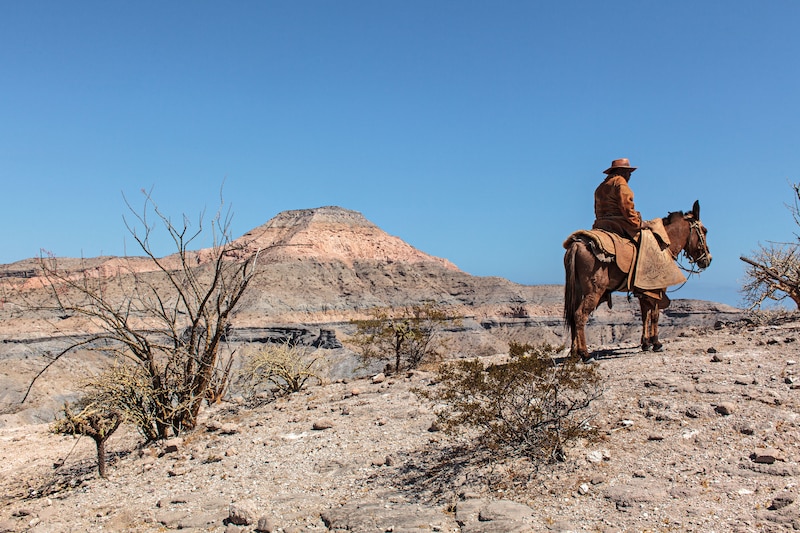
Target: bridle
[696, 228]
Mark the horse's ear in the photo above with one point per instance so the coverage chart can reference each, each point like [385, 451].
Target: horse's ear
[696, 209]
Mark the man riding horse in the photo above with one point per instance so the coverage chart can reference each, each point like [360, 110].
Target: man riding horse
[614, 209]
[623, 253]
[613, 202]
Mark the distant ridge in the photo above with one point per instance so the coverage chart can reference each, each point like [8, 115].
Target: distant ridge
[331, 234]
[323, 234]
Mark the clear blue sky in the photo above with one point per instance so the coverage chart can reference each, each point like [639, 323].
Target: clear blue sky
[475, 131]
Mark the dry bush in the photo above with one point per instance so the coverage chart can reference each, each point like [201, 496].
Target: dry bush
[284, 368]
[95, 421]
[409, 336]
[127, 389]
[773, 271]
[170, 322]
[531, 406]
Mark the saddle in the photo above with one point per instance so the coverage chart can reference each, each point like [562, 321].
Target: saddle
[650, 268]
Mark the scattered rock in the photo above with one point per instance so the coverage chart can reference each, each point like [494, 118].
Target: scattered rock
[626, 496]
[379, 378]
[381, 471]
[725, 408]
[173, 445]
[172, 518]
[382, 516]
[241, 514]
[766, 456]
[178, 470]
[485, 516]
[228, 429]
[504, 510]
[694, 411]
[321, 424]
[264, 525]
[597, 456]
[782, 500]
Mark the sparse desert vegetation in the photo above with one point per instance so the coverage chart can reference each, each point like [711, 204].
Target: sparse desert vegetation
[466, 419]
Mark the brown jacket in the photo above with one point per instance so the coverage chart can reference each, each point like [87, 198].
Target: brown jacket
[613, 207]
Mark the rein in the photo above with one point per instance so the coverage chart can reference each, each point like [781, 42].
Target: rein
[694, 226]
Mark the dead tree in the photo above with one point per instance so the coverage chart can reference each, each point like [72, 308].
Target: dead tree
[168, 321]
[773, 273]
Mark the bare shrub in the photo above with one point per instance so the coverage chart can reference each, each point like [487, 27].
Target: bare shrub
[95, 421]
[773, 270]
[169, 321]
[408, 336]
[284, 367]
[127, 389]
[772, 273]
[531, 406]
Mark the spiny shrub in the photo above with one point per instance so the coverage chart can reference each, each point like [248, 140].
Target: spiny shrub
[93, 421]
[409, 336]
[533, 405]
[285, 368]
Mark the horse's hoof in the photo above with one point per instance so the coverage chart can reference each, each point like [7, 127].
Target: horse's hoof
[589, 361]
[645, 347]
[658, 347]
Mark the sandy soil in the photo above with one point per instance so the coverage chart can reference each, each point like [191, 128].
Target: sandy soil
[702, 437]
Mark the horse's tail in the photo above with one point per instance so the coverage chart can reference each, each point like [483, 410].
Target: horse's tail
[572, 288]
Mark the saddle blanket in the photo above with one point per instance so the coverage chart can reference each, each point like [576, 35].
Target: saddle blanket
[607, 247]
[653, 269]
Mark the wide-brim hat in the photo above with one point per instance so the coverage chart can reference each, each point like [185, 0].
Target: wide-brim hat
[620, 163]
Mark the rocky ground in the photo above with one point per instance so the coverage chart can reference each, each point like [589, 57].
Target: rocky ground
[702, 437]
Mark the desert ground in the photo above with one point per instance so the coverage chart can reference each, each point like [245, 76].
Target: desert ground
[701, 437]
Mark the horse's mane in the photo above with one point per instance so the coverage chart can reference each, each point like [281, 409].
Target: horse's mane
[672, 214]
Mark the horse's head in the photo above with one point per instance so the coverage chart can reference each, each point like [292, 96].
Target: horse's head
[688, 235]
[696, 247]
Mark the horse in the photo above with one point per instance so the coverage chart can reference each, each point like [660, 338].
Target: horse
[589, 281]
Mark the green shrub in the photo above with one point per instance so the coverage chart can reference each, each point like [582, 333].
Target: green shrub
[533, 405]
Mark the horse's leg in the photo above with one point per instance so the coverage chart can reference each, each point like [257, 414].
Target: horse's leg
[656, 314]
[591, 300]
[648, 306]
[657, 346]
[587, 282]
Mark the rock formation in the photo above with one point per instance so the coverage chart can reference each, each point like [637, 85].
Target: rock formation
[320, 268]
